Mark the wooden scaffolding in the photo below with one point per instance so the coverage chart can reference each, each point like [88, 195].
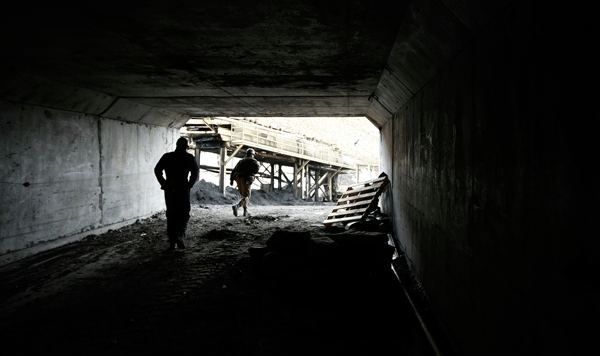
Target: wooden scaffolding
[315, 164]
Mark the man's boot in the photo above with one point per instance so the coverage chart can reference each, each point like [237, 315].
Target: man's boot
[235, 210]
[245, 212]
[180, 243]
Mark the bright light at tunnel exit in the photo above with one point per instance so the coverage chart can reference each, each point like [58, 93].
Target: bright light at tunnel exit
[356, 138]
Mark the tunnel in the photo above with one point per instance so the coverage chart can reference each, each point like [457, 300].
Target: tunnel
[485, 110]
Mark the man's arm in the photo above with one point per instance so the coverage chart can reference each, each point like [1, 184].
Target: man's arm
[158, 172]
[193, 173]
[233, 173]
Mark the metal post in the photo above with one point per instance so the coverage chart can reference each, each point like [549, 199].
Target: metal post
[317, 185]
[279, 172]
[295, 180]
[272, 187]
[303, 182]
[330, 185]
[222, 169]
[308, 182]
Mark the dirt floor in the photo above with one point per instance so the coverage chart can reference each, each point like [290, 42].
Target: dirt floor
[123, 293]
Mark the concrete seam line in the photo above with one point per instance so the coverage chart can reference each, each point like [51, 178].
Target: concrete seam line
[109, 107]
[100, 173]
[419, 318]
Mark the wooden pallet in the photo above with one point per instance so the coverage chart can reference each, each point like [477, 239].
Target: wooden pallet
[358, 201]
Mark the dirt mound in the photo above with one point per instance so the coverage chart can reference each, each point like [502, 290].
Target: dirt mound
[206, 193]
[284, 196]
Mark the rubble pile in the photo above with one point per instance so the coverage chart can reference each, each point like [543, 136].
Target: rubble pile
[207, 193]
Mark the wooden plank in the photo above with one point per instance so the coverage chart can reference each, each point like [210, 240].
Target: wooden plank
[351, 205]
[358, 197]
[381, 179]
[349, 212]
[358, 190]
[341, 220]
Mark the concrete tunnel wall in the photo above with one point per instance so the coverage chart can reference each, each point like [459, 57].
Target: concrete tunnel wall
[493, 196]
[68, 174]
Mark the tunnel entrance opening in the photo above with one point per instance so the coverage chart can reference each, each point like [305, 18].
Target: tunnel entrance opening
[314, 158]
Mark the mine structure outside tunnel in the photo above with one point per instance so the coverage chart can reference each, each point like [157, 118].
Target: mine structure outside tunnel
[315, 164]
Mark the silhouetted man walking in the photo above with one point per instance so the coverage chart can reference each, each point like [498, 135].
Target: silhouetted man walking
[178, 165]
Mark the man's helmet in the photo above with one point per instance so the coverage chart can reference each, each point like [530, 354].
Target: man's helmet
[250, 151]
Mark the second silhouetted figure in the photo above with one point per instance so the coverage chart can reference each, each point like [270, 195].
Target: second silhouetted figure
[243, 174]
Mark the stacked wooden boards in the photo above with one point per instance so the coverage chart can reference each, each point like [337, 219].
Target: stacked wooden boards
[358, 201]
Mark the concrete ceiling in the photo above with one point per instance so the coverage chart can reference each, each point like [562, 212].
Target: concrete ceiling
[144, 61]
[225, 57]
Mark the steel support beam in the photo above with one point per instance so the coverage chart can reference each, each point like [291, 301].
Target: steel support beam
[222, 169]
[295, 180]
[330, 185]
[317, 184]
[279, 174]
[272, 187]
[234, 153]
[303, 181]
